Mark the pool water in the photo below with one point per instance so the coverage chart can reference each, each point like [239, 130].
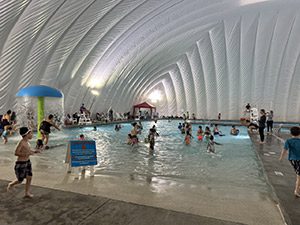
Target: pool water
[235, 163]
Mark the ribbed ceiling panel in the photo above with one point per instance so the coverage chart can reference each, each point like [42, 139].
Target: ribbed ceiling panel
[205, 56]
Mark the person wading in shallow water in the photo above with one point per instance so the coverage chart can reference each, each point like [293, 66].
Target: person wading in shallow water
[45, 129]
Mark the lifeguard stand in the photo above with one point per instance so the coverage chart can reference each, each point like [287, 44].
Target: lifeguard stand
[254, 115]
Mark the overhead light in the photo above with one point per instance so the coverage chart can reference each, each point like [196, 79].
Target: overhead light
[95, 92]
[247, 2]
[155, 96]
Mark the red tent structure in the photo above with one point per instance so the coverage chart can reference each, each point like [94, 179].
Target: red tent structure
[144, 105]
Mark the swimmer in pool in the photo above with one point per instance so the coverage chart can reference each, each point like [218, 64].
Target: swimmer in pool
[200, 133]
[217, 131]
[151, 139]
[207, 133]
[211, 145]
[187, 138]
[234, 131]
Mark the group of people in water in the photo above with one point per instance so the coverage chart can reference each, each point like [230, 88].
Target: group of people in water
[206, 134]
[185, 128]
[150, 138]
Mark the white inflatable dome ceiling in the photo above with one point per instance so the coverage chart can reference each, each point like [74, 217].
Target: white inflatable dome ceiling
[203, 56]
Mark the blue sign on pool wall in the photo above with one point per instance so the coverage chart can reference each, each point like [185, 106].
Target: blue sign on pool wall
[83, 153]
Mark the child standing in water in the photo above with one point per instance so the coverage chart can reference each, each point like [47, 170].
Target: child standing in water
[23, 168]
[134, 132]
[7, 132]
[151, 139]
[217, 131]
[211, 145]
[179, 126]
[45, 129]
[292, 146]
[207, 133]
[187, 138]
[129, 141]
[200, 133]
[39, 144]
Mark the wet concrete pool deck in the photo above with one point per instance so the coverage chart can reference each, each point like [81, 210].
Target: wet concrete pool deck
[60, 207]
[280, 175]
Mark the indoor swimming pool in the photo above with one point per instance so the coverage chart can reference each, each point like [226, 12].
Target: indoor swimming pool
[234, 164]
[224, 185]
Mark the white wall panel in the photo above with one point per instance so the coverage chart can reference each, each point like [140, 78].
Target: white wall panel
[199, 85]
[286, 72]
[208, 65]
[233, 43]
[188, 83]
[247, 48]
[217, 35]
[266, 25]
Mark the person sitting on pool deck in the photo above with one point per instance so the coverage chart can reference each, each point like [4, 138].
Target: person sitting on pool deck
[84, 110]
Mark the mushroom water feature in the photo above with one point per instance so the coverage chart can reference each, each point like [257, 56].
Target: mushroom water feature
[36, 102]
